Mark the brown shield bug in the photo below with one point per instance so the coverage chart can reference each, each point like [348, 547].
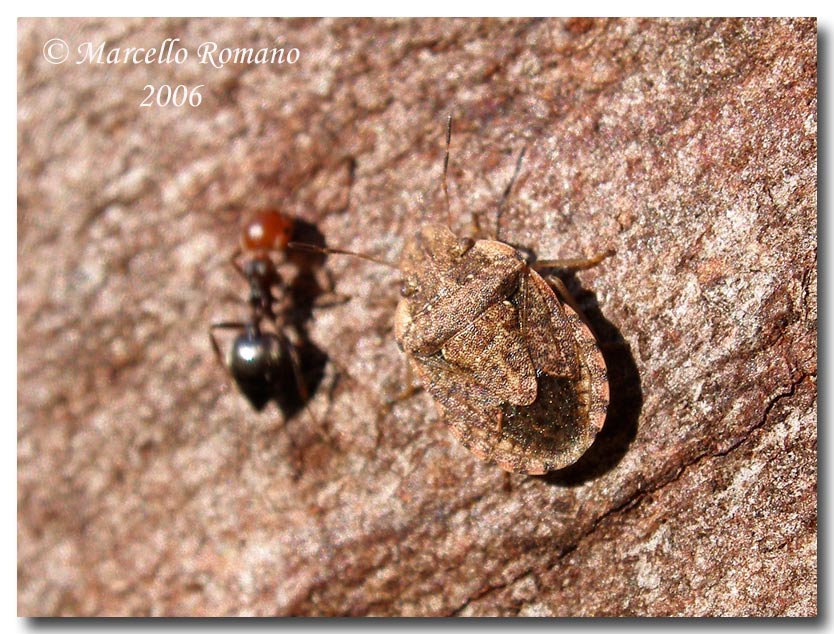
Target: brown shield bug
[517, 374]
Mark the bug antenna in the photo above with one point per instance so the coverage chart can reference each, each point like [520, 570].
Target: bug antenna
[446, 169]
[312, 248]
[506, 193]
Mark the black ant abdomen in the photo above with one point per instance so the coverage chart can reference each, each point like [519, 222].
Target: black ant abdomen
[256, 363]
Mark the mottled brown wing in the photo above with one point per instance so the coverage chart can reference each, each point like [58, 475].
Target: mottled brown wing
[549, 434]
[560, 426]
[545, 328]
[491, 349]
[471, 412]
[486, 273]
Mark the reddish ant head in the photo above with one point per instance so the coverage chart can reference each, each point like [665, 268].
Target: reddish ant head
[266, 230]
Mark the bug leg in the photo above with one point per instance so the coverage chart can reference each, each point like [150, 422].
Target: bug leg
[475, 225]
[576, 264]
[407, 392]
[564, 293]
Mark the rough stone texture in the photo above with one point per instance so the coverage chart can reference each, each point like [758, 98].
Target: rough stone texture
[146, 484]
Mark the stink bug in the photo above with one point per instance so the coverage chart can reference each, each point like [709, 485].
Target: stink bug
[515, 371]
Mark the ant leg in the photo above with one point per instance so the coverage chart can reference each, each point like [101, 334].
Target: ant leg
[243, 452]
[233, 260]
[506, 193]
[222, 325]
[297, 458]
[295, 362]
[331, 299]
[229, 297]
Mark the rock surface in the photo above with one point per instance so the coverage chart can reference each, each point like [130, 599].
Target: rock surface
[147, 486]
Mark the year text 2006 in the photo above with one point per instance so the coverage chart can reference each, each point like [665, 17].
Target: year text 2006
[177, 96]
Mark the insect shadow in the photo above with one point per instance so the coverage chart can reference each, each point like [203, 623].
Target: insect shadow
[620, 428]
[303, 294]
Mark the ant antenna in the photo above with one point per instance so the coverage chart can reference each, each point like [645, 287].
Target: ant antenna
[507, 191]
[446, 169]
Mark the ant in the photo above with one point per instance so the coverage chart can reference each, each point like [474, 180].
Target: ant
[257, 357]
